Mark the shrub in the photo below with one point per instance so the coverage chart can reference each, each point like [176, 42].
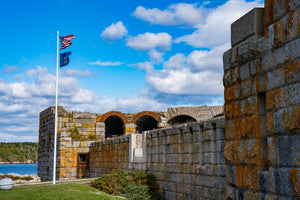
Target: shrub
[14, 178]
[74, 133]
[135, 185]
[92, 136]
[28, 178]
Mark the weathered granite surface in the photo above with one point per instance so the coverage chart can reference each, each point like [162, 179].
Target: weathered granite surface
[262, 106]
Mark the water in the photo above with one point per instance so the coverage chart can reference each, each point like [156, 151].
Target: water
[19, 168]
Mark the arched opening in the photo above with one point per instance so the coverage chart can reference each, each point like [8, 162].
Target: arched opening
[145, 123]
[114, 126]
[181, 119]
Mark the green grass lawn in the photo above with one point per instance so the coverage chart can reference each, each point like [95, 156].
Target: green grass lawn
[59, 191]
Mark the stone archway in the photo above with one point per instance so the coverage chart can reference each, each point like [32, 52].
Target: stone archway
[114, 126]
[145, 121]
[114, 123]
[111, 113]
[181, 119]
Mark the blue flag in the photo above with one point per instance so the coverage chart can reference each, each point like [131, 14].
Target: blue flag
[64, 58]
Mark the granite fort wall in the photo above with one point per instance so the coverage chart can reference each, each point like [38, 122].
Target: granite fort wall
[188, 160]
[262, 103]
[76, 131]
[109, 155]
[46, 144]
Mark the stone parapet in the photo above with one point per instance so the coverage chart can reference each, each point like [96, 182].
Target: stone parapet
[248, 25]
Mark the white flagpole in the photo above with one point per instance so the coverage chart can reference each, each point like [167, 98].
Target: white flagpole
[56, 96]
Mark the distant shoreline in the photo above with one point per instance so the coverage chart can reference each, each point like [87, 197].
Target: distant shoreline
[18, 163]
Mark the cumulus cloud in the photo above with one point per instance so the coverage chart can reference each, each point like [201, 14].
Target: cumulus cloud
[146, 66]
[155, 56]
[175, 62]
[18, 76]
[39, 70]
[216, 28]
[107, 63]
[185, 82]
[15, 138]
[207, 59]
[83, 96]
[199, 73]
[21, 102]
[75, 72]
[131, 104]
[175, 14]
[9, 69]
[147, 41]
[114, 32]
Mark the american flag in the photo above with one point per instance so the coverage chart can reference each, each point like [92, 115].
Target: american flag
[66, 41]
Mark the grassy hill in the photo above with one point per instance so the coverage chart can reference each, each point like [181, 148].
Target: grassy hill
[18, 152]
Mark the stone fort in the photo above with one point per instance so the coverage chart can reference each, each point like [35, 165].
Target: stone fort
[248, 149]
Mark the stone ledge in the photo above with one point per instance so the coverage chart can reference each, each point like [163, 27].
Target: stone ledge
[250, 24]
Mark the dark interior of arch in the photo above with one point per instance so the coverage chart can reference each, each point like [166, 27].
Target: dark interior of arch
[145, 123]
[181, 119]
[114, 126]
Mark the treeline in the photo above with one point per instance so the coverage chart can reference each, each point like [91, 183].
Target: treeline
[19, 152]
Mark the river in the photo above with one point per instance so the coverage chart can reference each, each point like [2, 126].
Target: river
[19, 168]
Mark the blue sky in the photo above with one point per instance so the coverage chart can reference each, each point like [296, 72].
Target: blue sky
[128, 56]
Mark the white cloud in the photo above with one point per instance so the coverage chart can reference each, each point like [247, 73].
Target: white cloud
[21, 102]
[83, 96]
[114, 32]
[155, 56]
[132, 104]
[146, 66]
[9, 69]
[11, 108]
[185, 82]
[175, 62]
[207, 59]
[175, 14]
[216, 29]
[199, 73]
[144, 42]
[18, 76]
[76, 72]
[38, 70]
[108, 63]
[15, 138]
[137, 104]
[19, 90]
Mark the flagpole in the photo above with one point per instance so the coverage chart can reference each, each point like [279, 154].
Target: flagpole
[56, 97]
